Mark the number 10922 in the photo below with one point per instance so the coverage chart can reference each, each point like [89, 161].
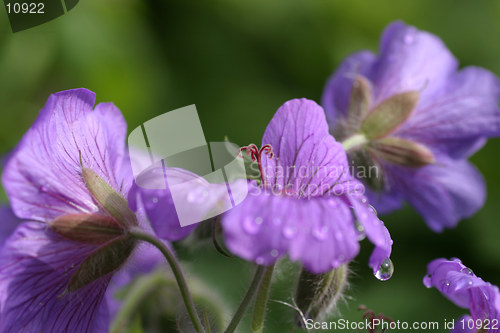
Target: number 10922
[25, 8]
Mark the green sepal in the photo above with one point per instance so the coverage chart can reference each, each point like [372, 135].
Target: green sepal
[387, 116]
[108, 198]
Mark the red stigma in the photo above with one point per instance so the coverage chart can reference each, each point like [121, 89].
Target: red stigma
[256, 155]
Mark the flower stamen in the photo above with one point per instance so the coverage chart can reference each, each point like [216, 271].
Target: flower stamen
[255, 155]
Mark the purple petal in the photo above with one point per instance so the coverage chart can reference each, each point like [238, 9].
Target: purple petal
[385, 202]
[443, 193]
[43, 176]
[307, 159]
[411, 60]
[459, 328]
[374, 229]
[465, 111]
[195, 199]
[159, 207]
[460, 285]
[319, 232]
[337, 93]
[35, 268]
[8, 223]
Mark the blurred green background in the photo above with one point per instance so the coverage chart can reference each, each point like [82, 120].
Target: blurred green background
[238, 61]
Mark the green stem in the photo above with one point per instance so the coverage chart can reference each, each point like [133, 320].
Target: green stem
[240, 312]
[354, 141]
[259, 314]
[176, 269]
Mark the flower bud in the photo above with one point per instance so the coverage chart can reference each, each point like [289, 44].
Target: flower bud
[386, 117]
[318, 294]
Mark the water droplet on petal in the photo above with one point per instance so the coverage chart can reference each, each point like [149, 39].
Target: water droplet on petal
[363, 200]
[467, 270]
[384, 272]
[341, 257]
[320, 232]
[155, 200]
[252, 226]
[259, 260]
[339, 235]
[258, 220]
[360, 229]
[277, 221]
[332, 202]
[274, 253]
[289, 231]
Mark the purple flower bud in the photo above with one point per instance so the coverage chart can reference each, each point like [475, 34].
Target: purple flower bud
[318, 294]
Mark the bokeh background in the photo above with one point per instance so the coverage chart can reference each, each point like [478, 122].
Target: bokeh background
[238, 61]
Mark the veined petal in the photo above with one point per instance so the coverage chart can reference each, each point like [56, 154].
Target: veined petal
[458, 119]
[410, 60]
[43, 177]
[457, 184]
[319, 232]
[307, 160]
[266, 226]
[35, 268]
[374, 229]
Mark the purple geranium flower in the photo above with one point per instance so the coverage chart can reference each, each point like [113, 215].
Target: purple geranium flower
[413, 116]
[68, 178]
[307, 206]
[460, 285]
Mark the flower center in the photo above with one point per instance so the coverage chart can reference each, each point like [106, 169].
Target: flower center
[255, 155]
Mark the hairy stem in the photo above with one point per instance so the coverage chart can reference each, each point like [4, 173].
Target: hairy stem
[176, 269]
[240, 312]
[259, 314]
